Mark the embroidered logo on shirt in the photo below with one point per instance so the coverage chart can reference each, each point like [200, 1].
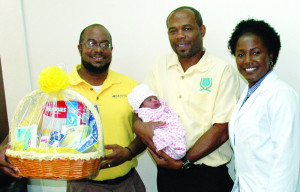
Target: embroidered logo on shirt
[122, 95]
[205, 84]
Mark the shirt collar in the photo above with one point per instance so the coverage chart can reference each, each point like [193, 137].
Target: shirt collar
[201, 66]
[75, 79]
[252, 89]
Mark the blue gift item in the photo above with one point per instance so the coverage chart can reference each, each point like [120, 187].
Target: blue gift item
[48, 125]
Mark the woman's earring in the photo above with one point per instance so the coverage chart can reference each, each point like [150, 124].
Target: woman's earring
[271, 63]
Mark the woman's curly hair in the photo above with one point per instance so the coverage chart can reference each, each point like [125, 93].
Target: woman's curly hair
[269, 36]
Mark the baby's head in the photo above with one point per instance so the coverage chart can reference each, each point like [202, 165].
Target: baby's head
[151, 102]
[142, 96]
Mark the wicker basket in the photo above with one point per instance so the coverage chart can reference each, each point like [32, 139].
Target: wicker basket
[57, 166]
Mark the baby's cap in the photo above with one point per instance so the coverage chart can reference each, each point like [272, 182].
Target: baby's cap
[138, 95]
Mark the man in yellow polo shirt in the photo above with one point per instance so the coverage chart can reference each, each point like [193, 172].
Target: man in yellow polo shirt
[203, 90]
[108, 89]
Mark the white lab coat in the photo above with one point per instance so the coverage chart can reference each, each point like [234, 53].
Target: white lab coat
[265, 137]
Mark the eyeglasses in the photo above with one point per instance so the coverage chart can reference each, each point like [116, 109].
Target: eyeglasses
[93, 45]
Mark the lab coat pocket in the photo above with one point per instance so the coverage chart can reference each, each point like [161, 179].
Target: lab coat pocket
[245, 146]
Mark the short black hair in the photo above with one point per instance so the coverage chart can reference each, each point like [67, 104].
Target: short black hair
[197, 14]
[93, 25]
[268, 35]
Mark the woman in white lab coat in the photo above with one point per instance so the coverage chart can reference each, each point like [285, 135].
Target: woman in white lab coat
[264, 128]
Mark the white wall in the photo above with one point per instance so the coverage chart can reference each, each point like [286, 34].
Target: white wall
[36, 34]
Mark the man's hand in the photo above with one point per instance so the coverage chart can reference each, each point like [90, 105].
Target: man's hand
[163, 160]
[145, 132]
[5, 166]
[118, 156]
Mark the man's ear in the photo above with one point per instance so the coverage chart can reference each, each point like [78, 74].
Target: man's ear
[271, 60]
[79, 49]
[271, 56]
[203, 30]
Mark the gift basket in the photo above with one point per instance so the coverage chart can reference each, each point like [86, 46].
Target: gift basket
[56, 133]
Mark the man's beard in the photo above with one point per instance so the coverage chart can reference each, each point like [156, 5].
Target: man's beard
[96, 70]
[192, 52]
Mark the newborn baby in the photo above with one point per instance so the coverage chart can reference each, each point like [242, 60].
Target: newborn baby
[170, 137]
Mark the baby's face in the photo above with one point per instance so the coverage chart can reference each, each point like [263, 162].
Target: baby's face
[151, 102]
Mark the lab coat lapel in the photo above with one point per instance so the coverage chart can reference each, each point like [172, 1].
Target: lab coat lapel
[239, 112]
[234, 117]
[264, 86]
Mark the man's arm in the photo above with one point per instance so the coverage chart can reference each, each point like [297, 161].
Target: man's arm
[228, 94]
[4, 142]
[135, 148]
[5, 166]
[206, 144]
[144, 130]
[121, 154]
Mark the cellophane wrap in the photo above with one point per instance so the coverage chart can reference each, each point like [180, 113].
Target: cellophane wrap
[60, 124]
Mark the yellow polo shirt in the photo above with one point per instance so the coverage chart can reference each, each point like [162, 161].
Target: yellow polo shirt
[115, 111]
[203, 95]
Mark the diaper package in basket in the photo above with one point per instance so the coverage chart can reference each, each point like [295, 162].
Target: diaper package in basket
[56, 132]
